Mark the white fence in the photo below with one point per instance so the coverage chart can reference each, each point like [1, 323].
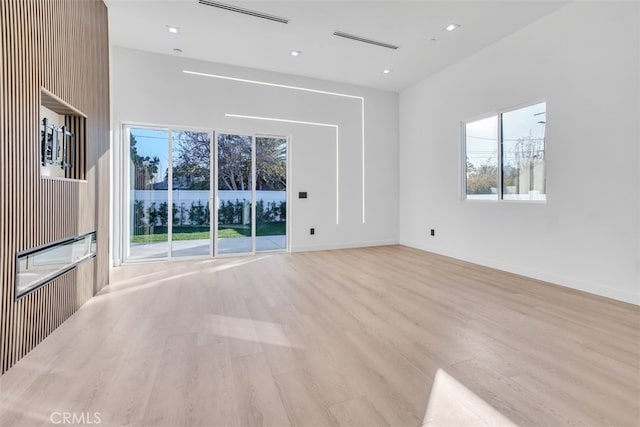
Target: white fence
[193, 196]
[191, 206]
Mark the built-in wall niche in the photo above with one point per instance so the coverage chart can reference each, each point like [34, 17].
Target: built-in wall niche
[38, 266]
[62, 138]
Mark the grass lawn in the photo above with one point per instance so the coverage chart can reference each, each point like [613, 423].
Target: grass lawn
[200, 233]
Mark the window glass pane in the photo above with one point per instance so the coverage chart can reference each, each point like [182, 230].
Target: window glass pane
[271, 193]
[523, 144]
[234, 194]
[148, 167]
[482, 159]
[191, 212]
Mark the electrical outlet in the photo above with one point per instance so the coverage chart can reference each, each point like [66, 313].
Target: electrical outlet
[312, 231]
[433, 231]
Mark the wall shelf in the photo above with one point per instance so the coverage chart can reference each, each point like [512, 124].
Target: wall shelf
[62, 138]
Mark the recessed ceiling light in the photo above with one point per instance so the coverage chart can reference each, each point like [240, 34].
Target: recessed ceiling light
[173, 30]
[433, 40]
[177, 50]
[452, 27]
[296, 53]
[386, 71]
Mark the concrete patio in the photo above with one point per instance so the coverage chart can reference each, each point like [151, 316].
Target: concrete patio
[201, 247]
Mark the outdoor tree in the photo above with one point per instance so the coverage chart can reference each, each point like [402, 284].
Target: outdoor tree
[138, 215]
[175, 214]
[163, 213]
[191, 168]
[145, 167]
[260, 212]
[179, 213]
[197, 214]
[482, 178]
[271, 164]
[234, 162]
[152, 213]
[520, 159]
[182, 214]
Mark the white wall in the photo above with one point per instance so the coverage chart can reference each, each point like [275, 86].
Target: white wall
[583, 59]
[151, 88]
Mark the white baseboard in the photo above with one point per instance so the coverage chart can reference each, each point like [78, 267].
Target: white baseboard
[351, 245]
[555, 279]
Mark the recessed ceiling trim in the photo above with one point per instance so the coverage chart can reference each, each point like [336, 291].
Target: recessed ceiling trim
[304, 89]
[364, 40]
[307, 90]
[244, 11]
[337, 129]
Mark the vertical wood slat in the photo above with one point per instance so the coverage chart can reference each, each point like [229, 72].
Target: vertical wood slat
[48, 43]
[75, 125]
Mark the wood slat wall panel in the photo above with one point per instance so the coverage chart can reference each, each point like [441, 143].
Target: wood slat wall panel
[61, 45]
[75, 124]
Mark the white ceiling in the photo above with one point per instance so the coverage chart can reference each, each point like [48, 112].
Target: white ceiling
[221, 36]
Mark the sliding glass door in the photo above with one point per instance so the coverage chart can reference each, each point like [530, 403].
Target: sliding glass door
[148, 196]
[191, 194]
[235, 229]
[169, 193]
[271, 193]
[175, 210]
[251, 220]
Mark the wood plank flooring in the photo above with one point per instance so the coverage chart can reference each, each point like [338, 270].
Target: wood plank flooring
[385, 336]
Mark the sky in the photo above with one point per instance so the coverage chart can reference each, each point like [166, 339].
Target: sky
[482, 135]
[153, 143]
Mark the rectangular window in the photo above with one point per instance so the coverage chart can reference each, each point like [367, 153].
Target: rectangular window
[504, 155]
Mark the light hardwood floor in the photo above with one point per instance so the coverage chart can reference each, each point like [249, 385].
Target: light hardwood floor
[362, 337]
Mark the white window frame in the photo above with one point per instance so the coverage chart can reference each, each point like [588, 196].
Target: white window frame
[463, 156]
[121, 229]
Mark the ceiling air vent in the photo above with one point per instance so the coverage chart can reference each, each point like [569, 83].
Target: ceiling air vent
[364, 40]
[232, 8]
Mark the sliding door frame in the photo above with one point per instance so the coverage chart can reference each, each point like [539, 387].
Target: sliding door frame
[214, 165]
[125, 159]
[125, 191]
[288, 195]
[170, 190]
